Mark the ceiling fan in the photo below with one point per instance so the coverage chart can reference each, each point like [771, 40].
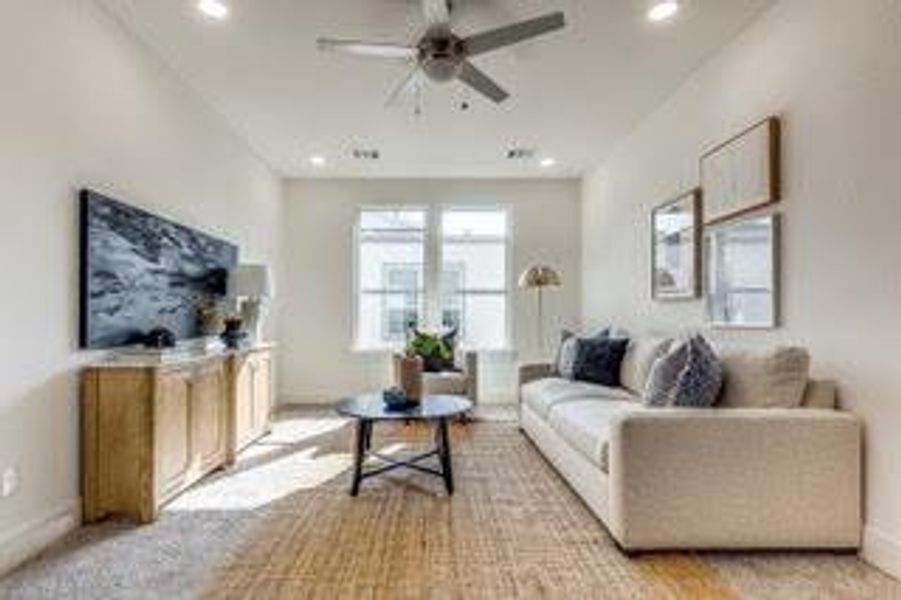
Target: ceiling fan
[443, 56]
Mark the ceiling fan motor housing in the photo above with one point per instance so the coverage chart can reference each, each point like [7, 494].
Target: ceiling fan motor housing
[441, 56]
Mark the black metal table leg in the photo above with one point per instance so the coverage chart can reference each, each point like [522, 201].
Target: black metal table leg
[444, 453]
[368, 440]
[364, 429]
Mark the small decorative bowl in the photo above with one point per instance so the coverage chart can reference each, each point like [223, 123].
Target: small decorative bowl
[395, 400]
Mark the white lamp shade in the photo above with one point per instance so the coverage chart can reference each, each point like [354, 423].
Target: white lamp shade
[250, 281]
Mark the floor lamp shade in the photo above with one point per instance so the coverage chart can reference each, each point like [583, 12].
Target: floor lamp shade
[538, 277]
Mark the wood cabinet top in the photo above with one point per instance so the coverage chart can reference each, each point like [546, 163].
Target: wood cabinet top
[176, 359]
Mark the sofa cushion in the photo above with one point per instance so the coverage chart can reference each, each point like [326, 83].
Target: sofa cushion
[585, 425]
[543, 394]
[598, 360]
[640, 356]
[690, 376]
[772, 378]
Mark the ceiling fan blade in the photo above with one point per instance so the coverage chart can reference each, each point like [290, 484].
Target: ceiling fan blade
[511, 34]
[406, 83]
[359, 48]
[480, 82]
[437, 12]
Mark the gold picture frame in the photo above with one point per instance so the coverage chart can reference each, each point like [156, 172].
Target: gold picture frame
[676, 248]
[743, 173]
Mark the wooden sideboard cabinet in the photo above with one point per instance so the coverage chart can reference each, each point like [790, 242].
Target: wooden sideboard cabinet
[149, 431]
[252, 374]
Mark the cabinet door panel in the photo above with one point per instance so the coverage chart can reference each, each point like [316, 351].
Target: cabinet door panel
[244, 406]
[172, 431]
[262, 389]
[208, 417]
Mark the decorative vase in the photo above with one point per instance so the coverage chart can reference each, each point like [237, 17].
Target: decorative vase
[233, 334]
[409, 377]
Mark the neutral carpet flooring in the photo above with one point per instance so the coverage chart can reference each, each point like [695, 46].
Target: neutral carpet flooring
[281, 525]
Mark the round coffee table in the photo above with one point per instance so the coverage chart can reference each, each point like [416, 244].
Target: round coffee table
[369, 409]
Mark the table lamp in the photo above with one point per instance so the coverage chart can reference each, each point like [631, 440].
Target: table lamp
[250, 286]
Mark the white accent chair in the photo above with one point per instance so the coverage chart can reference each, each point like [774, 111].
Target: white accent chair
[464, 381]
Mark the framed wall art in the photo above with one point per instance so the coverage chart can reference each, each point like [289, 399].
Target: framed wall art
[675, 248]
[742, 273]
[743, 173]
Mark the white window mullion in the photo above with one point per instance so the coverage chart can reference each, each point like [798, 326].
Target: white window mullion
[433, 271]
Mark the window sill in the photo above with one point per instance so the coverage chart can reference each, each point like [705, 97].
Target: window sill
[374, 350]
[495, 350]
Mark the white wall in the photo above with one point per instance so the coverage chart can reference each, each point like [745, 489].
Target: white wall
[82, 104]
[316, 297]
[831, 69]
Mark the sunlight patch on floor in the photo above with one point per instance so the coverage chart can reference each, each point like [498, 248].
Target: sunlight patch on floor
[288, 430]
[261, 485]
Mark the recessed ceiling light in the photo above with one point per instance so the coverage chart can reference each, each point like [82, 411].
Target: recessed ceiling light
[317, 161]
[663, 10]
[547, 163]
[214, 9]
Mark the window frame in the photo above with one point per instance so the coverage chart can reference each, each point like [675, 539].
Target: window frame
[441, 210]
[355, 272]
[433, 260]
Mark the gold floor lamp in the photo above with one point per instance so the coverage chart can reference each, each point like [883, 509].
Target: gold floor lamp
[538, 277]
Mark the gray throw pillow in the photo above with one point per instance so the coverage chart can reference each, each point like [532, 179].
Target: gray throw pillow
[566, 355]
[564, 365]
[689, 376]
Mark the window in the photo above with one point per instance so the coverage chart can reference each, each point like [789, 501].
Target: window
[474, 275]
[390, 265]
[459, 281]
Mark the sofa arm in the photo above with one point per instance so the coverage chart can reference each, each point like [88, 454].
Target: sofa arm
[532, 372]
[735, 478]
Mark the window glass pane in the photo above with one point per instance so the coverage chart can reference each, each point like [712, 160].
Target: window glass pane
[474, 223]
[474, 275]
[369, 320]
[391, 254]
[379, 264]
[483, 265]
[452, 297]
[392, 219]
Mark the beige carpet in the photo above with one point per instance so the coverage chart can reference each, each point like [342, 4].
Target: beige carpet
[282, 525]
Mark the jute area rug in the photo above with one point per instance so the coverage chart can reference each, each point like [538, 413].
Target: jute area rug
[512, 530]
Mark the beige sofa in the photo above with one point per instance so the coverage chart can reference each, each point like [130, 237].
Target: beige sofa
[719, 478]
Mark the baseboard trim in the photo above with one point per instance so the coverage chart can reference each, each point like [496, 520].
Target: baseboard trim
[882, 551]
[31, 538]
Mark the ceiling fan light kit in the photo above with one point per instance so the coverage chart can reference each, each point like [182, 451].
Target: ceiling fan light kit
[443, 57]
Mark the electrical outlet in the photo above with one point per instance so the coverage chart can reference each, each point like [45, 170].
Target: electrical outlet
[10, 482]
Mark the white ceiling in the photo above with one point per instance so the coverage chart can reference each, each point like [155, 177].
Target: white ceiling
[575, 93]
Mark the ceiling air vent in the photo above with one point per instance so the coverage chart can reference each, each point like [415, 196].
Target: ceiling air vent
[364, 154]
[520, 153]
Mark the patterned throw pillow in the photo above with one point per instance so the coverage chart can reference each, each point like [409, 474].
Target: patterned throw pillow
[691, 375]
[566, 352]
[598, 360]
